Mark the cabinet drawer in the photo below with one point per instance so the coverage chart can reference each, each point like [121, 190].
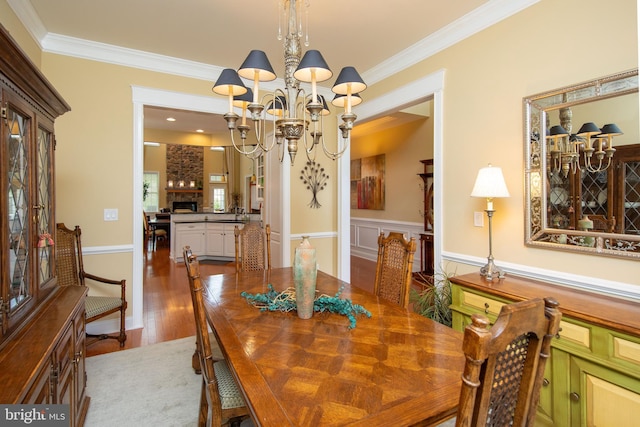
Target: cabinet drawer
[624, 352]
[577, 334]
[190, 227]
[481, 303]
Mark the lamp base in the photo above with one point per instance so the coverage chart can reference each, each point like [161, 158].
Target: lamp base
[491, 271]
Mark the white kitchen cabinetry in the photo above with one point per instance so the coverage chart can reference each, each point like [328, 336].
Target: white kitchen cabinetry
[207, 240]
[215, 239]
[192, 235]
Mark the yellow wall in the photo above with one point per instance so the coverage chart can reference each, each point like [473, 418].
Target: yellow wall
[404, 146]
[486, 76]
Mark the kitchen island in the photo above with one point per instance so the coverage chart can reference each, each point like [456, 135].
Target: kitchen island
[210, 235]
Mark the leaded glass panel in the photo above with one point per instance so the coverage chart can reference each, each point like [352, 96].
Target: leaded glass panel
[18, 206]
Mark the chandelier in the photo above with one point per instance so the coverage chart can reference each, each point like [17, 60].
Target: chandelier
[595, 143]
[287, 116]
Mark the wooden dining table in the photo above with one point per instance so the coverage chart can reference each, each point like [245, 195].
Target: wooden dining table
[395, 368]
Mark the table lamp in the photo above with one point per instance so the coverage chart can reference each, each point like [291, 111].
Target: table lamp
[490, 184]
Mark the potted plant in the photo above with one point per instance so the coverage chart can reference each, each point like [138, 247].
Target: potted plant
[434, 299]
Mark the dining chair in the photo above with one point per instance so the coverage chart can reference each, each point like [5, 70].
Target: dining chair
[153, 234]
[70, 272]
[393, 268]
[504, 366]
[220, 398]
[253, 246]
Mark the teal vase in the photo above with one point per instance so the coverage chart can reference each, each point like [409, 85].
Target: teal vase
[305, 272]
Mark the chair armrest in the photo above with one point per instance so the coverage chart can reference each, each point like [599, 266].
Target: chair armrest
[103, 280]
[122, 283]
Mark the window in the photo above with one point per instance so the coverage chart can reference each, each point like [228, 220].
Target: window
[218, 196]
[151, 180]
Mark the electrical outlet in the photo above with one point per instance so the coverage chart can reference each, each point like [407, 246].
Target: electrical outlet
[478, 219]
[111, 214]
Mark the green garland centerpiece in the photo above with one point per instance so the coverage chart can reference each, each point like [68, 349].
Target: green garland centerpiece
[286, 301]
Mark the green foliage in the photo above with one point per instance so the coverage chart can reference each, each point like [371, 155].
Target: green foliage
[145, 190]
[286, 301]
[434, 300]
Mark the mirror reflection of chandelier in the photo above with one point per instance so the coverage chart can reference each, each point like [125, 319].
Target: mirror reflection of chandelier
[595, 143]
[288, 115]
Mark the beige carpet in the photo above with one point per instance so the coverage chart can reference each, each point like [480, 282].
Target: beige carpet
[146, 386]
[152, 386]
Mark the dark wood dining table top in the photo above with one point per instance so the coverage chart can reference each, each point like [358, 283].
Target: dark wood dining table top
[396, 368]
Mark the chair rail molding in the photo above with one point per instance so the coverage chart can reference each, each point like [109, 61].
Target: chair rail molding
[603, 286]
[365, 232]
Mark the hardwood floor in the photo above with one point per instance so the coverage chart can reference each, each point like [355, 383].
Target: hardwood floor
[168, 313]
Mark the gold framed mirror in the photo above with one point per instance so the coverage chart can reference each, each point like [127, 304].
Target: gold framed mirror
[582, 167]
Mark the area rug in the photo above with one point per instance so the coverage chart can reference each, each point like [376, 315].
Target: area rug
[152, 385]
[149, 386]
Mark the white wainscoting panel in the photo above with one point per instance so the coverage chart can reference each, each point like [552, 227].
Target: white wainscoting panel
[365, 231]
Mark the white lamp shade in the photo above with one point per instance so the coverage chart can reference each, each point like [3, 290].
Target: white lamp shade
[490, 183]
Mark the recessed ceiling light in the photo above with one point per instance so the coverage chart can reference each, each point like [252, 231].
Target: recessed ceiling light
[199, 130]
[171, 119]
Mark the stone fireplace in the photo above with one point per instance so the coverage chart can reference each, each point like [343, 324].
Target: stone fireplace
[185, 163]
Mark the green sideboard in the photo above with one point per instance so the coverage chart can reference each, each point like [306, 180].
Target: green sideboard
[593, 375]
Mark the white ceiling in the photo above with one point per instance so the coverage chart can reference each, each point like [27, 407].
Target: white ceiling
[360, 33]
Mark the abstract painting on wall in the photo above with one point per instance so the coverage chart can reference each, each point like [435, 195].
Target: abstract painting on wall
[367, 183]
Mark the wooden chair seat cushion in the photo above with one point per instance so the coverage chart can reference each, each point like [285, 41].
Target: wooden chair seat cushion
[96, 306]
[230, 396]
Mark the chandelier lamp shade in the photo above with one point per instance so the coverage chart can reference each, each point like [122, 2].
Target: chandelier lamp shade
[595, 143]
[289, 115]
[489, 185]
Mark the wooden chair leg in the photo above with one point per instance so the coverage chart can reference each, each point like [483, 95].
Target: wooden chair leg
[204, 407]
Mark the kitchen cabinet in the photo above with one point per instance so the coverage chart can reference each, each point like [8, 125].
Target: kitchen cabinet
[214, 240]
[595, 358]
[192, 235]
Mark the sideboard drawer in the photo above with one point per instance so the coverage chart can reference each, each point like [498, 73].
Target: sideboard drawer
[577, 334]
[623, 352]
[482, 303]
[626, 350]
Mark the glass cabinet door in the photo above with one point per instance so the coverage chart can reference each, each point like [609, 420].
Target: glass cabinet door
[16, 141]
[44, 206]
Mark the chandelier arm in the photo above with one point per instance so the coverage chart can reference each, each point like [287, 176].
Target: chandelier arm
[242, 151]
[335, 155]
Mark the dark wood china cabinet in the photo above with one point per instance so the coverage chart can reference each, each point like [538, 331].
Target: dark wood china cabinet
[610, 198]
[42, 328]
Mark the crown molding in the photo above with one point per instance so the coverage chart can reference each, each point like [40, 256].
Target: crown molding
[30, 19]
[473, 22]
[483, 17]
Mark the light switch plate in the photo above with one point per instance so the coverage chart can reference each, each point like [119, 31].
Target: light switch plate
[478, 219]
[111, 214]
